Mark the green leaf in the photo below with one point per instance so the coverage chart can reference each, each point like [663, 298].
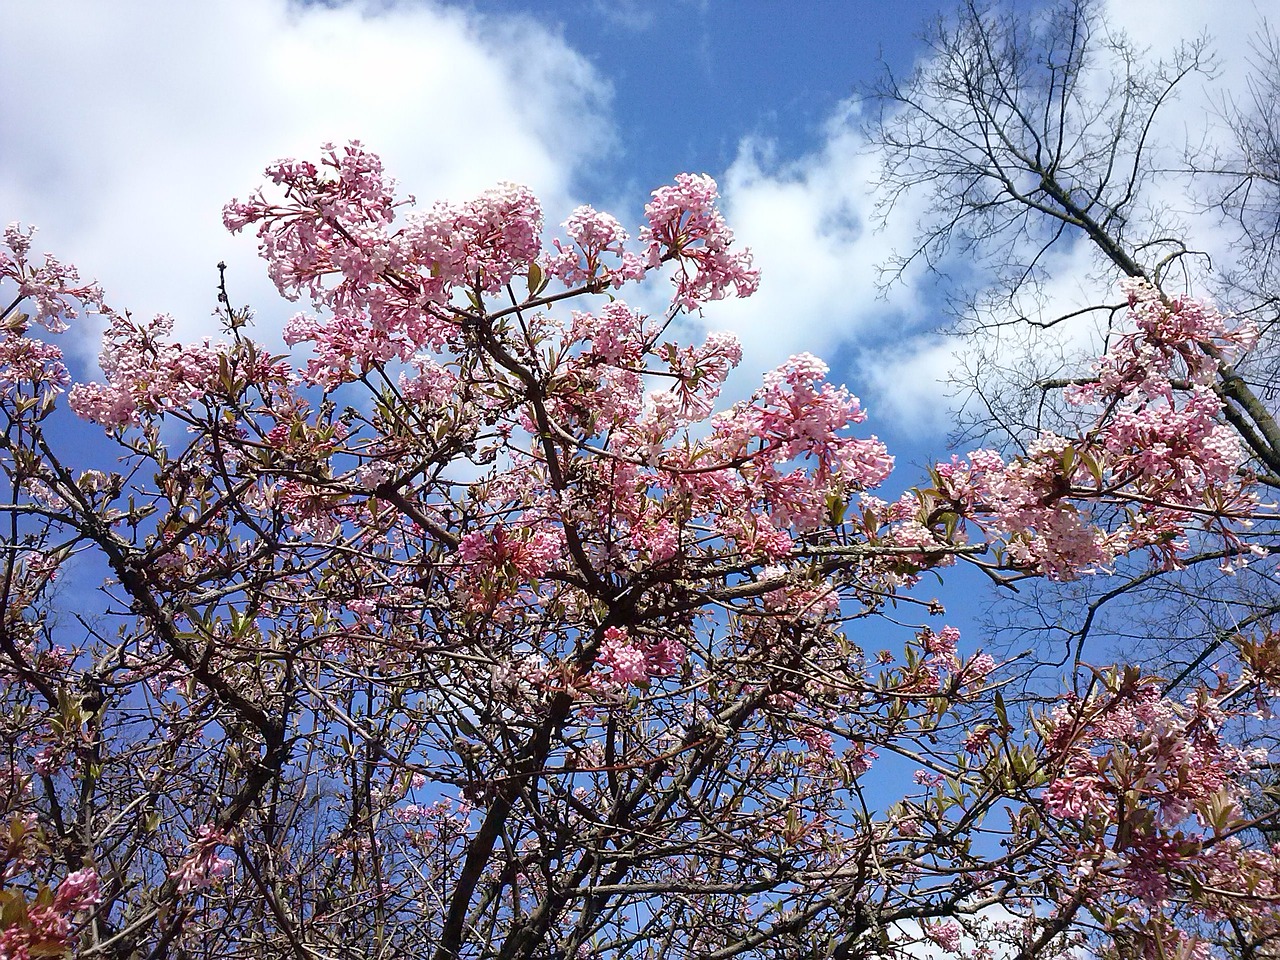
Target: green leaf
[466, 727]
[836, 507]
[13, 908]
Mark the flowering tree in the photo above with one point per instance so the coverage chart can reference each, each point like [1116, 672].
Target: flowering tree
[481, 634]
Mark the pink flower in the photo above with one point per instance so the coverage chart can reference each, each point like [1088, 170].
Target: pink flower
[530, 553]
[978, 740]
[946, 935]
[34, 363]
[146, 373]
[47, 760]
[817, 740]
[1160, 445]
[52, 288]
[977, 669]
[626, 662]
[630, 661]
[907, 827]
[594, 236]
[78, 891]
[46, 930]
[942, 644]
[859, 758]
[202, 867]
[684, 224]
[1146, 779]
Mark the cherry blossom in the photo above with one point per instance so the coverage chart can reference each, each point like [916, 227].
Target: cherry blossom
[480, 621]
[202, 867]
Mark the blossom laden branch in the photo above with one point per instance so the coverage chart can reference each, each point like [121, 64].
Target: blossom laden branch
[480, 622]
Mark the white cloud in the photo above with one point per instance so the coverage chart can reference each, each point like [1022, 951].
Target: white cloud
[1160, 25]
[632, 15]
[992, 930]
[128, 125]
[908, 385]
[809, 224]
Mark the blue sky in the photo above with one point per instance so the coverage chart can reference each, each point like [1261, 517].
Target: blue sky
[691, 79]
[125, 126]
[139, 119]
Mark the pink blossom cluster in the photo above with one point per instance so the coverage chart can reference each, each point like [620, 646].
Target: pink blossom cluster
[1180, 760]
[946, 934]
[78, 891]
[858, 758]
[1156, 938]
[53, 288]
[24, 361]
[497, 564]
[766, 470]
[795, 456]
[772, 466]
[392, 292]
[1029, 501]
[595, 240]
[1168, 345]
[929, 674]
[814, 601]
[1014, 929]
[698, 373]
[941, 644]
[442, 821]
[978, 740]
[530, 553]
[633, 660]
[313, 509]
[602, 384]
[30, 366]
[611, 390]
[816, 739]
[617, 334]
[485, 242]
[1163, 434]
[1158, 448]
[303, 240]
[684, 223]
[202, 867]
[771, 469]
[329, 241]
[146, 373]
[1139, 773]
[44, 929]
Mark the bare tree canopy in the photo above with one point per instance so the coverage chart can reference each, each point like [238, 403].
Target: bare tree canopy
[1031, 140]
